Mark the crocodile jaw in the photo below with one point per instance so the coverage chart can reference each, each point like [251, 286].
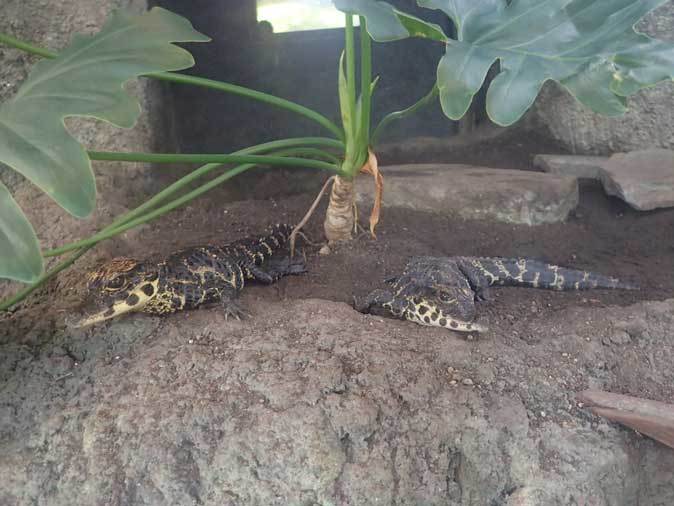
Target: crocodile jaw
[446, 322]
[135, 301]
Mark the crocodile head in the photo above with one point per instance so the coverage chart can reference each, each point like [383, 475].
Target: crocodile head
[120, 286]
[449, 307]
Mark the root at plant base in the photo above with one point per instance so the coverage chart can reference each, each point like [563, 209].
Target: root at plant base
[339, 217]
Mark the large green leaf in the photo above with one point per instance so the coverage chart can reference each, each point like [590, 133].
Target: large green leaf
[386, 23]
[85, 79]
[461, 10]
[589, 46]
[19, 247]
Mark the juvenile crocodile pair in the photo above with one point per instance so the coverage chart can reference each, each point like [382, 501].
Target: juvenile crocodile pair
[433, 291]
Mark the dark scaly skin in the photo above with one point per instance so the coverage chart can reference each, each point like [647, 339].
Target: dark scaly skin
[190, 278]
[441, 291]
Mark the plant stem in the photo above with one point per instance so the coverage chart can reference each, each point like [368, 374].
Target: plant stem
[202, 171]
[256, 95]
[350, 66]
[396, 115]
[365, 83]
[319, 153]
[25, 46]
[127, 224]
[185, 180]
[202, 158]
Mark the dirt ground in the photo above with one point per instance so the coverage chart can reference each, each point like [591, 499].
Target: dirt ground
[541, 346]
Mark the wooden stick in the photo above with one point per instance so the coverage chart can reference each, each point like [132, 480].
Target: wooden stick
[652, 418]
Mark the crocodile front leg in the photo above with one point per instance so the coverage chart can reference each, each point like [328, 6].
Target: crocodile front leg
[275, 268]
[227, 296]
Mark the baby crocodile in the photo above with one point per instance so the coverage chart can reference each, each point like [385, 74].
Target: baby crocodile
[441, 291]
[190, 278]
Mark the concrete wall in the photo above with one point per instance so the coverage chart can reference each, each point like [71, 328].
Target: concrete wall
[300, 66]
[648, 123]
[51, 25]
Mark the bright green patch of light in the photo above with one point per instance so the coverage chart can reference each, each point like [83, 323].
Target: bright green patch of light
[298, 15]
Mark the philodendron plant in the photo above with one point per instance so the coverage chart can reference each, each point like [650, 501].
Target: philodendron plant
[589, 46]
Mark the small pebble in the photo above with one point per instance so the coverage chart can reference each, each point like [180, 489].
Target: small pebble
[620, 337]
[467, 381]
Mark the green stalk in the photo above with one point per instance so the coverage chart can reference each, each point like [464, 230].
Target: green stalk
[127, 224]
[318, 153]
[365, 85]
[192, 176]
[256, 95]
[396, 115]
[350, 65]
[347, 100]
[202, 171]
[202, 158]
[8, 40]
[200, 81]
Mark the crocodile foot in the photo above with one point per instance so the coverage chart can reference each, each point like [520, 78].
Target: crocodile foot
[234, 310]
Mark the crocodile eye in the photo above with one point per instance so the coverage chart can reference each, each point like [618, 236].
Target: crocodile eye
[115, 284]
[152, 276]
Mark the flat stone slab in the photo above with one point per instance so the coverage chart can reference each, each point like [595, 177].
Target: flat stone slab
[643, 179]
[511, 196]
[583, 167]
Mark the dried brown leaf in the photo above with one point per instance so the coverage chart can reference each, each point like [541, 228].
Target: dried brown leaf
[372, 167]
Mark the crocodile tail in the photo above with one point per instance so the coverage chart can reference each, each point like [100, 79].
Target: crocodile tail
[537, 274]
[270, 243]
[260, 248]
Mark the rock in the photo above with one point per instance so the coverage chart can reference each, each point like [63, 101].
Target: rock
[510, 196]
[643, 179]
[304, 403]
[636, 328]
[528, 496]
[584, 167]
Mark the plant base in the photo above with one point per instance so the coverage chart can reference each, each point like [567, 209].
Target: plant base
[339, 218]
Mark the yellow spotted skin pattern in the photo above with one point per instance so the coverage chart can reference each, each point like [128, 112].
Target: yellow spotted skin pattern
[441, 291]
[190, 278]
